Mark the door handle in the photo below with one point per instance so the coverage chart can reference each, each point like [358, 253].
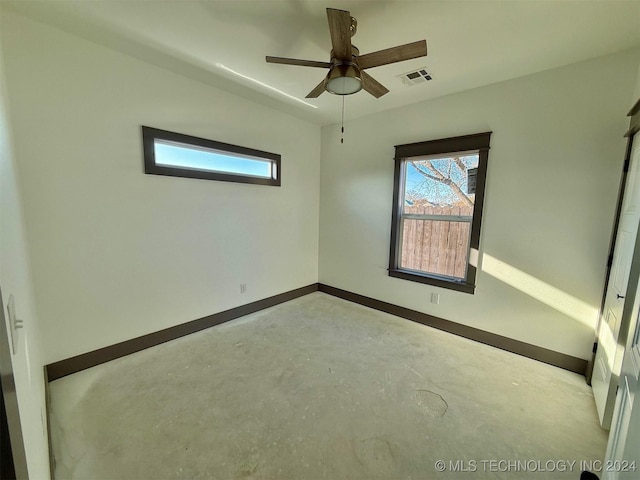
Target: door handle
[619, 296]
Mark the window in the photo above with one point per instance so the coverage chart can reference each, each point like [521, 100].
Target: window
[177, 155]
[438, 194]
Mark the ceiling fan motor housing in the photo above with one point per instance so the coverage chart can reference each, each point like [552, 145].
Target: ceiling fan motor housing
[344, 76]
[354, 56]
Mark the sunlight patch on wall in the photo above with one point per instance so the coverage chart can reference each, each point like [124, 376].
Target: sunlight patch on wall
[542, 291]
[262, 84]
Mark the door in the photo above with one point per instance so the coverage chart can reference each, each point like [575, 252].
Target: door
[623, 451]
[609, 356]
[10, 421]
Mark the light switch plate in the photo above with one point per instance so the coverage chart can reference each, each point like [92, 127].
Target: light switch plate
[14, 324]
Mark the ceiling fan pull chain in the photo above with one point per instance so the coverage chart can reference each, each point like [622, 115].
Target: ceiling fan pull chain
[342, 126]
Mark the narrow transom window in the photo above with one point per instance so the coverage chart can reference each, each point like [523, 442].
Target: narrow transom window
[438, 193]
[175, 154]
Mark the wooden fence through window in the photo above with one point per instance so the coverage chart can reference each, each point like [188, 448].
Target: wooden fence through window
[436, 246]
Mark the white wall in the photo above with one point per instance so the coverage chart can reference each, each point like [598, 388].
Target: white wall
[116, 253]
[554, 168]
[15, 279]
[636, 92]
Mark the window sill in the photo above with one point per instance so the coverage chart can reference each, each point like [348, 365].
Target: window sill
[459, 286]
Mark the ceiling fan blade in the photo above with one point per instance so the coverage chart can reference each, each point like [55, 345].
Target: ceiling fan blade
[294, 61]
[340, 30]
[393, 54]
[372, 86]
[315, 93]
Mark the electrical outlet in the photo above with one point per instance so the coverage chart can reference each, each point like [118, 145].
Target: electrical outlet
[243, 288]
[435, 298]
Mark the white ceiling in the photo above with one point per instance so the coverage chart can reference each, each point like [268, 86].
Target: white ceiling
[470, 43]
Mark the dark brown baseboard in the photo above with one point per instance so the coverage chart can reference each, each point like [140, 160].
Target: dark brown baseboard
[567, 362]
[91, 359]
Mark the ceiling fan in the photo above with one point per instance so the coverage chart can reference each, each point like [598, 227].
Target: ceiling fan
[346, 68]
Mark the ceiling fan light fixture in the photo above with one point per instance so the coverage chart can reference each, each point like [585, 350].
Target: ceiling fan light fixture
[344, 80]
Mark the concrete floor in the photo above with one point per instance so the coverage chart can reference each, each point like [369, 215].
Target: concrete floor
[321, 388]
